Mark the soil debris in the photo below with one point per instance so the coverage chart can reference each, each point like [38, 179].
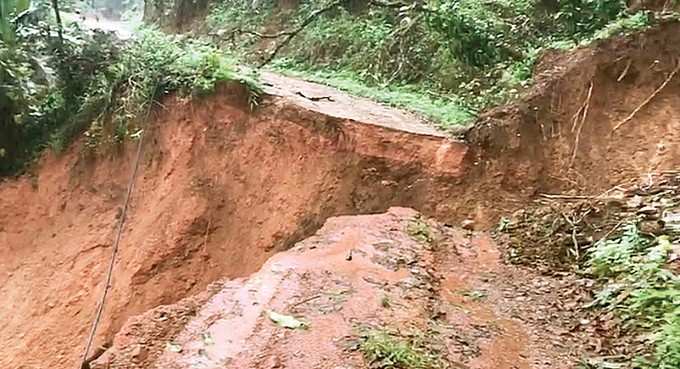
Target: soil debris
[227, 192]
[441, 301]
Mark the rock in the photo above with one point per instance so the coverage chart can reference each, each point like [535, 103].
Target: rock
[634, 202]
[103, 361]
[648, 210]
[468, 224]
[138, 353]
[651, 227]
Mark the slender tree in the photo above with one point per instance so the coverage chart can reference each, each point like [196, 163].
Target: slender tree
[57, 15]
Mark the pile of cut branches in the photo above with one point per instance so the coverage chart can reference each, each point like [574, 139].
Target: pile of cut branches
[555, 232]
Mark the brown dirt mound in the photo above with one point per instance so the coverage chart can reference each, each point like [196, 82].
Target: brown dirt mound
[406, 275]
[561, 136]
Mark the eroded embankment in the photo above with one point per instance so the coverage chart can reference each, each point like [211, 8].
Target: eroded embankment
[220, 190]
[563, 136]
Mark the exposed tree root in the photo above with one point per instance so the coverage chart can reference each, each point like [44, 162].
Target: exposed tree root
[648, 99]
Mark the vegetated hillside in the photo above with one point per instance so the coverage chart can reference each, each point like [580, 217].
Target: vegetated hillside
[448, 60]
[610, 108]
[58, 86]
[222, 188]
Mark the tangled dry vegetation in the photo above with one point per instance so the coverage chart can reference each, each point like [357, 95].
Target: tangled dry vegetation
[624, 247]
[557, 232]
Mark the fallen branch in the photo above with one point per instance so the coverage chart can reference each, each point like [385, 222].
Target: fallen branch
[263, 35]
[398, 5]
[577, 253]
[566, 197]
[648, 99]
[290, 34]
[307, 300]
[314, 98]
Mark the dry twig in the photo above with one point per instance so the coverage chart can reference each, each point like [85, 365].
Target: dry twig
[290, 34]
[566, 197]
[585, 109]
[573, 236]
[625, 71]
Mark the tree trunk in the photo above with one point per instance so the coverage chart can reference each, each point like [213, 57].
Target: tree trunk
[355, 6]
[288, 4]
[60, 28]
[186, 11]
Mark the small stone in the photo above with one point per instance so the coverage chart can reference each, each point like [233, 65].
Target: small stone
[651, 227]
[648, 210]
[138, 353]
[468, 224]
[635, 202]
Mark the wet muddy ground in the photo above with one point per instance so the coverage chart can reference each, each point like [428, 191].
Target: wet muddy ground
[396, 272]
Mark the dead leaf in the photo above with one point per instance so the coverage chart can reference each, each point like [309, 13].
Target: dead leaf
[174, 347]
[286, 321]
[207, 339]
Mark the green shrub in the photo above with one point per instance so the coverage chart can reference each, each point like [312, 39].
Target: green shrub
[101, 88]
[149, 67]
[638, 286]
[578, 19]
[383, 350]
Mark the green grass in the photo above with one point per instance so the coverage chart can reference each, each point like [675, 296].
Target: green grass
[444, 111]
[419, 230]
[638, 286]
[384, 350]
[446, 63]
[635, 22]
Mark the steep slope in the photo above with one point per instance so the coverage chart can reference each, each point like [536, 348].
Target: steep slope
[220, 191]
[564, 133]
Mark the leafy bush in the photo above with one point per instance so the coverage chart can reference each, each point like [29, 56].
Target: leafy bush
[474, 32]
[101, 87]
[9, 9]
[637, 285]
[146, 69]
[19, 104]
[579, 19]
[622, 25]
[667, 352]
